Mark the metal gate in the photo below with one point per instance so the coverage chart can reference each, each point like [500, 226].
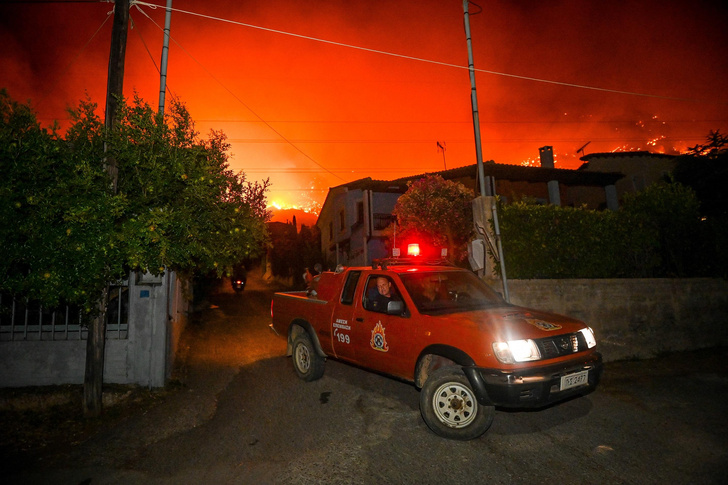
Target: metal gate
[21, 319]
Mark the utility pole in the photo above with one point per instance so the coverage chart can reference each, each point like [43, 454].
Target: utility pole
[163, 64]
[96, 339]
[484, 190]
[115, 82]
[487, 190]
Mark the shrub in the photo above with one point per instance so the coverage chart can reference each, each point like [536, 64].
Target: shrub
[656, 233]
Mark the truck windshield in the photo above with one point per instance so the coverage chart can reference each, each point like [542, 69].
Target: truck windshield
[449, 291]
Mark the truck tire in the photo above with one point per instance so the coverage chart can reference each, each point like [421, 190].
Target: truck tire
[449, 407]
[308, 364]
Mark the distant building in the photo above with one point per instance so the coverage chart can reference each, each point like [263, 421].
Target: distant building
[353, 218]
[640, 169]
[354, 215]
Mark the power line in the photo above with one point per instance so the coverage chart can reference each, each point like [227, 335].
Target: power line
[540, 139]
[445, 122]
[57, 1]
[419, 59]
[151, 57]
[237, 97]
[454, 122]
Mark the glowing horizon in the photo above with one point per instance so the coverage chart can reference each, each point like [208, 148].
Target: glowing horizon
[311, 115]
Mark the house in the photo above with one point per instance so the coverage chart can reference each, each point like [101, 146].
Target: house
[353, 219]
[354, 215]
[640, 168]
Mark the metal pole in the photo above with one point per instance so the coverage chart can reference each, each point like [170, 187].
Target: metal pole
[485, 190]
[499, 245]
[474, 101]
[163, 64]
[162, 93]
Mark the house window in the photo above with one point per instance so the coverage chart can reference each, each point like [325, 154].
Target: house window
[381, 221]
[347, 296]
[331, 231]
[638, 182]
[342, 221]
[360, 212]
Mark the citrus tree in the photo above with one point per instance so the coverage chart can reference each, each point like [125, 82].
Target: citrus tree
[66, 234]
[437, 213]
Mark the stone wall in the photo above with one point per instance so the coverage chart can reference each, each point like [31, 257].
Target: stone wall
[636, 318]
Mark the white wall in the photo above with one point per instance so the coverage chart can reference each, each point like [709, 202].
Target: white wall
[144, 358]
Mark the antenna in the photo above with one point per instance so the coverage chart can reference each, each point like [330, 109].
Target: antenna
[582, 149]
[441, 146]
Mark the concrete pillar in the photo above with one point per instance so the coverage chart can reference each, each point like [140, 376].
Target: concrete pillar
[612, 199]
[554, 196]
[148, 329]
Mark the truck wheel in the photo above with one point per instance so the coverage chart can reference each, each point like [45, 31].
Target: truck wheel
[449, 407]
[308, 364]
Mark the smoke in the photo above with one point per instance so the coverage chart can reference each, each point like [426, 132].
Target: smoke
[312, 115]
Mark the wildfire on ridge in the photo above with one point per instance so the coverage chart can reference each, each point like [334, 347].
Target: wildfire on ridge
[308, 209]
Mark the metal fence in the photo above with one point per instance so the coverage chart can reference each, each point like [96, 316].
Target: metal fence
[21, 319]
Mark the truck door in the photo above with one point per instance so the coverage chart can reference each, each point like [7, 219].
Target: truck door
[341, 324]
[383, 342]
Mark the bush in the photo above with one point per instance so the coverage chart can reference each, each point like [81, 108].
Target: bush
[656, 233]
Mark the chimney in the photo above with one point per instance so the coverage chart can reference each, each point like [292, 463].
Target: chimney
[547, 161]
[547, 156]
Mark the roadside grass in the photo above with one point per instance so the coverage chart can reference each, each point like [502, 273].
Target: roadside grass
[38, 420]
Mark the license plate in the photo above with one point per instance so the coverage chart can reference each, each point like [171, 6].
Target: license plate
[574, 380]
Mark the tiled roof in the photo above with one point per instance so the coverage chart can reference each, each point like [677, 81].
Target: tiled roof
[514, 173]
[635, 154]
[397, 186]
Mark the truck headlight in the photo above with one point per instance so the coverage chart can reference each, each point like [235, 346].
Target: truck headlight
[588, 334]
[514, 351]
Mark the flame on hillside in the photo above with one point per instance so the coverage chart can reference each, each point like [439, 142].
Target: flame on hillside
[311, 208]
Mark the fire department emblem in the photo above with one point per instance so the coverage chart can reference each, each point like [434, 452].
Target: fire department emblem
[379, 340]
[548, 327]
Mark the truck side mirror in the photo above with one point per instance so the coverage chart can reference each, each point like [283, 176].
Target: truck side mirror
[395, 308]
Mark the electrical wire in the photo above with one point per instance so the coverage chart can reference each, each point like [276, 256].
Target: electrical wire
[234, 95]
[331, 172]
[151, 57]
[419, 59]
[56, 1]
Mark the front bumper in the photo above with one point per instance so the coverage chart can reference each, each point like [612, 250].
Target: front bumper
[533, 386]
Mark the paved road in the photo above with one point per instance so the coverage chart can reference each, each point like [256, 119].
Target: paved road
[243, 417]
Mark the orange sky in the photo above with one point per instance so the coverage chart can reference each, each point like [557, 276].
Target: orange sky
[310, 115]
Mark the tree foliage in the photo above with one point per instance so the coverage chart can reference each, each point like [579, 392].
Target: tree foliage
[66, 234]
[291, 252]
[58, 217]
[716, 145]
[705, 169]
[284, 255]
[437, 213]
[656, 233]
